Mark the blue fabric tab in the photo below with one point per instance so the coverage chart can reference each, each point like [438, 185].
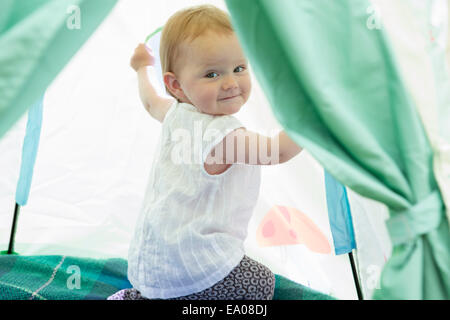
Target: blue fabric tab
[339, 216]
[29, 152]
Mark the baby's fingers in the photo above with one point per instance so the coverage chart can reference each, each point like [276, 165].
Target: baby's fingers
[142, 46]
[143, 56]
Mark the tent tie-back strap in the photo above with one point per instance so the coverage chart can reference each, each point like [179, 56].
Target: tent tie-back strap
[425, 216]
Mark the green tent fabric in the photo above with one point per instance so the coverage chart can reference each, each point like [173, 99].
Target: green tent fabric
[38, 38]
[334, 86]
[75, 278]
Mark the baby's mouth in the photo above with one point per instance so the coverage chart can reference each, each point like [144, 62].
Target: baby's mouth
[229, 98]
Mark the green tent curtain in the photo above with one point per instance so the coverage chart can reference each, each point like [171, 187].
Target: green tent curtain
[333, 85]
[37, 39]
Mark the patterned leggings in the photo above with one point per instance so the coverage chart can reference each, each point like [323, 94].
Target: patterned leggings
[250, 280]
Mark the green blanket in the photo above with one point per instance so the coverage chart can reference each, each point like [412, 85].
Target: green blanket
[73, 278]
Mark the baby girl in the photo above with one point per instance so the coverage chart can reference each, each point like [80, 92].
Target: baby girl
[188, 242]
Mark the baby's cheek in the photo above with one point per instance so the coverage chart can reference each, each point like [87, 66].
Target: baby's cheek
[209, 96]
[246, 94]
[206, 101]
[246, 87]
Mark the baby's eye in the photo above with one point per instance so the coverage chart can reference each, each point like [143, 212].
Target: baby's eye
[239, 69]
[212, 75]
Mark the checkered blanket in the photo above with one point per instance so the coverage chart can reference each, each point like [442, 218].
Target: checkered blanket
[74, 278]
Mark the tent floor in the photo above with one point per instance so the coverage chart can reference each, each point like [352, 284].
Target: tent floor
[73, 278]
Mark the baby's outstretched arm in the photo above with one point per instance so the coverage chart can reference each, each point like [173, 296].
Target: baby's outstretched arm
[288, 148]
[142, 62]
[247, 147]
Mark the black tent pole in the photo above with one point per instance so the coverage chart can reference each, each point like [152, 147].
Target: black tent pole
[355, 276]
[13, 229]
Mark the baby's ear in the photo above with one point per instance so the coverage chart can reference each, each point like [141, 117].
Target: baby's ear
[173, 85]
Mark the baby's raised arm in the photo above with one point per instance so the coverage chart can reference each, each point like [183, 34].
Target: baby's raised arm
[247, 147]
[142, 62]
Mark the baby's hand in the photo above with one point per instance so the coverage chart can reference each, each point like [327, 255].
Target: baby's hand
[143, 56]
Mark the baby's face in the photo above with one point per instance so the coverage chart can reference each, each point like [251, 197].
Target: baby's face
[214, 74]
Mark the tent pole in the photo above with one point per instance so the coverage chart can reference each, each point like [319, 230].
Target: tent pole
[355, 276]
[13, 229]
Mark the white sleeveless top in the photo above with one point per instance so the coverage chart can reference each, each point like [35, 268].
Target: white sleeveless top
[192, 225]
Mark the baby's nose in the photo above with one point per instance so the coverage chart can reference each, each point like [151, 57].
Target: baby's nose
[229, 83]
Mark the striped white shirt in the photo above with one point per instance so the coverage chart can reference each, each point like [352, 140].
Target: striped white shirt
[192, 225]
